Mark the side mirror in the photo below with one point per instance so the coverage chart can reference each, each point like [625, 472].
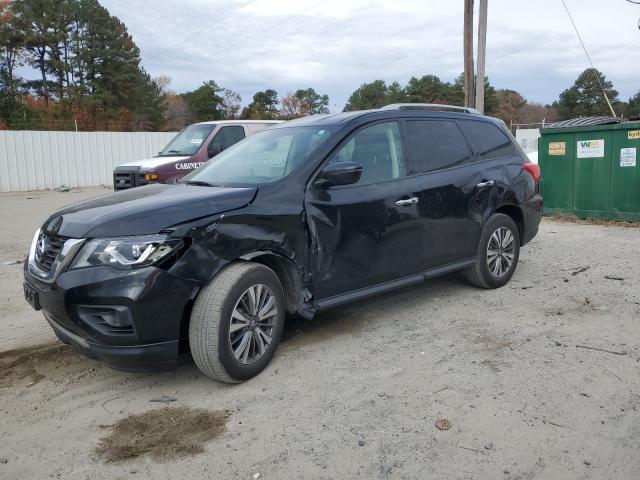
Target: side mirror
[213, 149]
[339, 173]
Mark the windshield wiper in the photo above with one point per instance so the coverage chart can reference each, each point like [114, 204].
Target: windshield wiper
[199, 183]
[174, 151]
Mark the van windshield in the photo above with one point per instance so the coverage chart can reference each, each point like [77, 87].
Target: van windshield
[188, 141]
[264, 157]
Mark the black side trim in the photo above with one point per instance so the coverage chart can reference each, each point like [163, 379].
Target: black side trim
[343, 298]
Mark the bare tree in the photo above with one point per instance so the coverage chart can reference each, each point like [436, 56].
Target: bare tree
[231, 103]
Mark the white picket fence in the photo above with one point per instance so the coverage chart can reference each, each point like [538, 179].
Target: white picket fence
[34, 160]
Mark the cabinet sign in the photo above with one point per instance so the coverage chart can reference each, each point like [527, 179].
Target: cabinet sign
[590, 148]
[628, 157]
[557, 148]
[633, 134]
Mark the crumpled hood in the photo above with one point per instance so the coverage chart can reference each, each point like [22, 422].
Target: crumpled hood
[145, 210]
[153, 162]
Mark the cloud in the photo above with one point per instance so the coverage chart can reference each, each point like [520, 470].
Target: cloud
[334, 46]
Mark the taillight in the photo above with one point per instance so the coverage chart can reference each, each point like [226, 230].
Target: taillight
[533, 170]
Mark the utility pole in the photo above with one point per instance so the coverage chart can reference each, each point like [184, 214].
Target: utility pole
[468, 54]
[482, 48]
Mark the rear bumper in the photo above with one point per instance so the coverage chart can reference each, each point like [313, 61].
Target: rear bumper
[532, 215]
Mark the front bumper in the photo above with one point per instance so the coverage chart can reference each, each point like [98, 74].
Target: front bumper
[129, 177]
[130, 319]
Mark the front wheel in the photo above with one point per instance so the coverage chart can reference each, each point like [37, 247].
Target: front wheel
[236, 322]
[498, 253]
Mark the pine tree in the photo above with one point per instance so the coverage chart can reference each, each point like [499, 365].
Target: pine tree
[263, 107]
[585, 97]
[205, 103]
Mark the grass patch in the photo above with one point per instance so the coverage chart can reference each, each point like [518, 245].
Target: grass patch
[163, 434]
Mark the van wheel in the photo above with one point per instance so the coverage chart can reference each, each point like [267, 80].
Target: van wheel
[498, 253]
[236, 322]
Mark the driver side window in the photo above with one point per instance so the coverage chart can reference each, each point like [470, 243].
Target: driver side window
[226, 137]
[378, 149]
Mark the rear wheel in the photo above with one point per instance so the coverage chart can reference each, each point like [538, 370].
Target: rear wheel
[498, 253]
[237, 322]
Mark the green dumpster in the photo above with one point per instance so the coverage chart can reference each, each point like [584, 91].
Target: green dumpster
[591, 170]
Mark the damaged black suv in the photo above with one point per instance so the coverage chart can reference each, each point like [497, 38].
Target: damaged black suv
[298, 218]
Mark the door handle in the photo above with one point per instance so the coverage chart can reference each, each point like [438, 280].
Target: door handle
[407, 201]
[489, 183]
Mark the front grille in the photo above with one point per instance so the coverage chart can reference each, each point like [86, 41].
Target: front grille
[124, 180]
[47, 250]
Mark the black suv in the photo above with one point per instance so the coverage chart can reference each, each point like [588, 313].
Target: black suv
[301, 217]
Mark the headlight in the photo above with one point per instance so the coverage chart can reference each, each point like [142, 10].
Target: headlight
[125, 252]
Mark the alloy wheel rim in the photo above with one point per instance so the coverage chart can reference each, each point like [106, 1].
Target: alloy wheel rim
[501, 251]
[252, 323]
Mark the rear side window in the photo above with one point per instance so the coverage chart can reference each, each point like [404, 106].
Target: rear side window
[487, 140]
[435, 145]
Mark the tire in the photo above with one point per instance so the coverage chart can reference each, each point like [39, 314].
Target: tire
[229, 294]
[486, 273]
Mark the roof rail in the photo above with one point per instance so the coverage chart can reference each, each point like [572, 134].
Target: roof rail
[429, 106]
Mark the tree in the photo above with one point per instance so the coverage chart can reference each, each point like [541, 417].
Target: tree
[490, 98]
[633, 106]
[263, 107]
[88, 67]
[367, 96]
[36, 19]
[230, 104]
[11, 57]
[205, 102]
[427, 89]
[395, 93]
[509, 104]
[513, 109]
[177, 113]
[585, 97]
[303, 103]
[532, 112]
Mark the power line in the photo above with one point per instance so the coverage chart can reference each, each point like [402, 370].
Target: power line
[208, 27]
[589, 58]
[269, 27]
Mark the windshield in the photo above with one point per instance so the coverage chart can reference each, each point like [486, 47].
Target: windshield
[263, 157]
[188, 141]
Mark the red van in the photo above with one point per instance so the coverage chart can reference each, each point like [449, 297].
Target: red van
[188, 150]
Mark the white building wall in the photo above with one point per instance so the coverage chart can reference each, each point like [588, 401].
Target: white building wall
[35, 160]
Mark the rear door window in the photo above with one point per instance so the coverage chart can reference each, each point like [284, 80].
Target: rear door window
[487, 140]
[435, 145]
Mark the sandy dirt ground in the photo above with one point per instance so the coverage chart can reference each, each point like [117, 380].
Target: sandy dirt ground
[357, 392]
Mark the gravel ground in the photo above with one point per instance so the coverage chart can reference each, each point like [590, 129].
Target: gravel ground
[357, 392]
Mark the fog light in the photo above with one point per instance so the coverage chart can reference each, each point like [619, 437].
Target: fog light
[150, 177]
[110, 318]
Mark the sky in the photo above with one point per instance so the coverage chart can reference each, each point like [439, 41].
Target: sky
[336, 45]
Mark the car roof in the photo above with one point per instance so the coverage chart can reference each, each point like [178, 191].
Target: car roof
[336, 119]
[237, 122]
